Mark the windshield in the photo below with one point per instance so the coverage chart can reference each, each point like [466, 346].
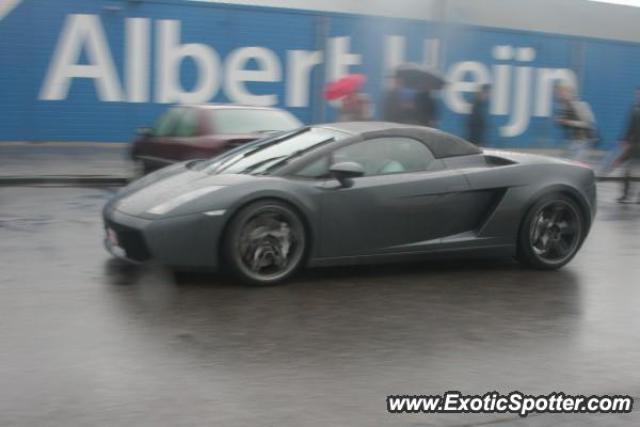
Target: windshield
[241, 121]
[267, 155]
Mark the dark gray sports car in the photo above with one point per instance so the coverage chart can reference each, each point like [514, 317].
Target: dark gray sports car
[349, 193]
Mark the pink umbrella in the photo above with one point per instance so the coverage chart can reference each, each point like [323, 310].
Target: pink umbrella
[344, 86]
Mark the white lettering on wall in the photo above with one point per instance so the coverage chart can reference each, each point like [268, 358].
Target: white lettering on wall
[170, 54]
[464, 77]
[340, 59]
[501, 81]
[300, 63]
[237, 74]
[137, 60]
[395, 52]
[547, 79]
[431, 53]
[519, 90]
[522, 96]
[82, 33]
[394, 48]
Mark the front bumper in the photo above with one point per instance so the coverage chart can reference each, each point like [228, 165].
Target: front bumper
[126, 240]
[187, 241]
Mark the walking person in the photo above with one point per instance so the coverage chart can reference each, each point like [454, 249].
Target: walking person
[631, 151]
[355, 107]
[576, 120]
[478, 118]
[414, 99]
[355, 104]
[398, 102]
[426, 108]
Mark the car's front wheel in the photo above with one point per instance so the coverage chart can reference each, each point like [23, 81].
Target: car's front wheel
[265, 243]
[551, 233]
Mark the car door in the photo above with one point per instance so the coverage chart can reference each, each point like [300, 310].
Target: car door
[153, 147]
[402, 203]
[183, 143]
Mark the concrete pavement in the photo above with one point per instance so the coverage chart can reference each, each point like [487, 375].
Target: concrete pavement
[65, 162]
[88, 341]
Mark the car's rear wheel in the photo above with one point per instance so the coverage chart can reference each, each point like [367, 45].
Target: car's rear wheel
[265, 243]
[551, 233]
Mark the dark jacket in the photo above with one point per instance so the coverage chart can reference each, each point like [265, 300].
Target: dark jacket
[427, 113]
[392, 110]
[477, 121]
[575, 127]
[632, 135]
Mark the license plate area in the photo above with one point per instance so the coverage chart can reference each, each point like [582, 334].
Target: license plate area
[112, 237]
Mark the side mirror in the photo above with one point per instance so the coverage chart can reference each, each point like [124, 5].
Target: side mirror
[144, 131]
[346, 171]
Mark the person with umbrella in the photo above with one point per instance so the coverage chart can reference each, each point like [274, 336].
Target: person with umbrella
[354, 104]
[398, 102]
[424, 81]
[427, 110]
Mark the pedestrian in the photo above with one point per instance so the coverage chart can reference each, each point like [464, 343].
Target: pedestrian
[398, 102]
[355, 107]
[354, 103]
[426, 108]
[577, 122]
[630, 156]
[479, 115]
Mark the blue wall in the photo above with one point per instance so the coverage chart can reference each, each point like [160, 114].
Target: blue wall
[607, 71]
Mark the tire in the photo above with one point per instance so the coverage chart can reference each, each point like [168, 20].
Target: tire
[265, 243]
[551, 234]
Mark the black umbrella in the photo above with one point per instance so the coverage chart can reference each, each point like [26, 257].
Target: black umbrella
[418, 77]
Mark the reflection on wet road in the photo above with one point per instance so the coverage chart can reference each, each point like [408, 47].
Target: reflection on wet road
[88, 340]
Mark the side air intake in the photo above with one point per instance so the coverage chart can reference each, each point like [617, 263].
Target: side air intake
[495, 161]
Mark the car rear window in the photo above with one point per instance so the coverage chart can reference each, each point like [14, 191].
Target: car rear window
[242, 121]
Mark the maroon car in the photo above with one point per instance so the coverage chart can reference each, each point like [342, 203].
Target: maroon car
[204, 131]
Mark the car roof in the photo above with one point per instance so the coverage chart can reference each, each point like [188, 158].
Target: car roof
[356, 128]
[440, 143]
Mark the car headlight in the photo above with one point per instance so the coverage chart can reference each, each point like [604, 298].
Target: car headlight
[171, 204]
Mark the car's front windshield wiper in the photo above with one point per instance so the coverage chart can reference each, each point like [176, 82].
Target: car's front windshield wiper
[267, 131]
[295, 154]
[276, 140]
[225, 163]
[192, 164]
[261, 163]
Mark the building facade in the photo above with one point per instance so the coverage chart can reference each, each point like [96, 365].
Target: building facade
[77, 70]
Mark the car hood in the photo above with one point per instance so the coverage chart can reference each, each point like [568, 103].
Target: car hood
[167, 184]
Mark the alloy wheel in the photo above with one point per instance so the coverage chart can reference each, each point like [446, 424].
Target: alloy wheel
[270, 244]
[555, 231]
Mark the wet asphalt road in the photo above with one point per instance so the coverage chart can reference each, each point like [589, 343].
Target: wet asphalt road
[88, 341]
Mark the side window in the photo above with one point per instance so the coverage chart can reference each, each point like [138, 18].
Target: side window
[187, 123]
[166, 124]
[381, 156]
[316, 169]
